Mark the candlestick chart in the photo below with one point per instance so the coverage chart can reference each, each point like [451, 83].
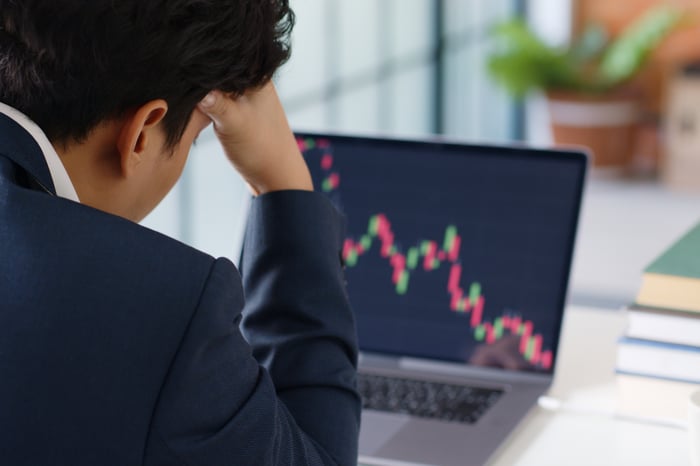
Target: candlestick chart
[430, 256]
[435, 265]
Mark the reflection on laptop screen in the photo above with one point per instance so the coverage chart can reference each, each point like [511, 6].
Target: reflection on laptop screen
[453, 252]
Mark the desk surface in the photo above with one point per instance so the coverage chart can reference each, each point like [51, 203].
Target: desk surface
[585, 377]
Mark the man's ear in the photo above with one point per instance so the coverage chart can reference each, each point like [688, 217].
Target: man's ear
[139, 133]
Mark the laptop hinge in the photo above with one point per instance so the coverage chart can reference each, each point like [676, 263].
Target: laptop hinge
[439, 367]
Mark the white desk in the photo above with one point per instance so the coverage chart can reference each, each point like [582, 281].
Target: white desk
[585, 376]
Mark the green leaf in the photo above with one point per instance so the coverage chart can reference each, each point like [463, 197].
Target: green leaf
[591, 44]
[522, 62]
[632, 49]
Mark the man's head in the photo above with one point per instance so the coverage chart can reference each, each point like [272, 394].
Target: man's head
[129, 74]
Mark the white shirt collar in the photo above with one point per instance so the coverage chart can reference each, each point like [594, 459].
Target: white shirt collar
[59, 175]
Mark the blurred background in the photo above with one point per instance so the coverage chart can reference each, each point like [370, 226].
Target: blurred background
[425, 68]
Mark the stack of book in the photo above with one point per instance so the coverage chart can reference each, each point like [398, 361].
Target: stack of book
[658, 358]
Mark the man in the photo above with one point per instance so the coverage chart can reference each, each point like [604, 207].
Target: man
[119, 346]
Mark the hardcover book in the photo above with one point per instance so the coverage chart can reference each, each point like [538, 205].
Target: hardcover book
[672, 281]
[669, 326]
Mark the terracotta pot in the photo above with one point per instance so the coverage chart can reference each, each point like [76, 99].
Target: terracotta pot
[606, 124]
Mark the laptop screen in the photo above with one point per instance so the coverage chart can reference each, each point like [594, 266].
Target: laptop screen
[454, 252]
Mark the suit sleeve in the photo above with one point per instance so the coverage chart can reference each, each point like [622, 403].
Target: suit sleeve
[288, 396]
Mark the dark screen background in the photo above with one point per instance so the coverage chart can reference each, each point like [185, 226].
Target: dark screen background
[515, 210]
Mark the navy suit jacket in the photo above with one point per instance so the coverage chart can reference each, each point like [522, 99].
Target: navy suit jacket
[120, 346]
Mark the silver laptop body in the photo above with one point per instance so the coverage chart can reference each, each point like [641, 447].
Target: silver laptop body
[509, 217]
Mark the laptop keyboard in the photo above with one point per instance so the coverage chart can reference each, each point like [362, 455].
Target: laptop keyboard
[431, 400]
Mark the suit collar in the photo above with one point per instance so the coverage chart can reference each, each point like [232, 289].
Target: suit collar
[19, 146]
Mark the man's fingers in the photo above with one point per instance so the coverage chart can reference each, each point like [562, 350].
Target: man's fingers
[215, 105]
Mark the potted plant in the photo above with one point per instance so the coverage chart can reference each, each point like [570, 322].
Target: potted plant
[593, 100]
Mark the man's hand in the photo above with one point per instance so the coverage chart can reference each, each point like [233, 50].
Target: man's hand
[256, 137]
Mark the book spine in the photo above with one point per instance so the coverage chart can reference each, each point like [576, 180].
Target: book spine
[664, 327]
[659, 360]
[695, 381]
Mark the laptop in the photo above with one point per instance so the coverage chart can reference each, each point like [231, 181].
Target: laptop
[457, 262]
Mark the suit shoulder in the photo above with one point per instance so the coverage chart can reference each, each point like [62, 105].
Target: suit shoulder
[129, 238]
[64, 235]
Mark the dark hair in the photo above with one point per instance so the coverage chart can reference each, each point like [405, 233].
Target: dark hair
[71, 64]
